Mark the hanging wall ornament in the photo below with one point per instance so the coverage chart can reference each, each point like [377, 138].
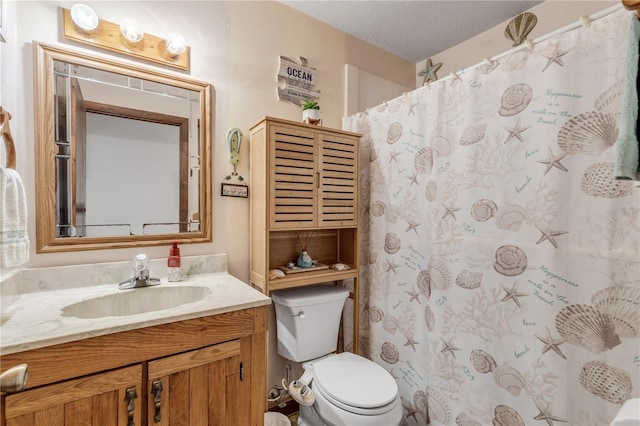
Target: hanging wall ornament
[429, 72]
[519, 27]
[234, 185]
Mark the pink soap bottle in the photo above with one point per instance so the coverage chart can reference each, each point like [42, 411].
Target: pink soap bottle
[173, 263]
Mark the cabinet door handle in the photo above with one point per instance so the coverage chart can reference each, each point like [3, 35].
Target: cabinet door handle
[130, 397]
[156, 390]
[317, 179]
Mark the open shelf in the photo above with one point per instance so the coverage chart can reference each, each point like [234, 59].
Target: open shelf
[310, 278]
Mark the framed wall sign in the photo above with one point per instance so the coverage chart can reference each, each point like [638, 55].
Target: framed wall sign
[297, 81]
[233, 190]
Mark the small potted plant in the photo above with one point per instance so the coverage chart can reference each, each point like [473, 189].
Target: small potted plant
[311, 112]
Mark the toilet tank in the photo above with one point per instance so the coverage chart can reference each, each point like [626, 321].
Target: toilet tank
[308, 320]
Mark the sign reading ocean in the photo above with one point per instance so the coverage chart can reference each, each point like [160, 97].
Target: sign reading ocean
[296, 81]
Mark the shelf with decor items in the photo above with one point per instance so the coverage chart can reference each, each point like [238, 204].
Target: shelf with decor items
[304, 192]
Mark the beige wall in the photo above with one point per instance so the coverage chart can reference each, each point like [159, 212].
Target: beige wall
[552, 15]
[365, 90]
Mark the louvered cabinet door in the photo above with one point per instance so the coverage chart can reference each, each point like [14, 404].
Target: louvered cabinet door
[293, 178]
[338, 181]
[199, 388]
[105, 399]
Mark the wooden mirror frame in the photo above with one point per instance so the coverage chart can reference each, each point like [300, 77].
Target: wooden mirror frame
[46, 239]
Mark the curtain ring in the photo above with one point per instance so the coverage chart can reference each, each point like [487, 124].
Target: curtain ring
[585, 21]
[529, 44]
[454, 76]
[488, 61]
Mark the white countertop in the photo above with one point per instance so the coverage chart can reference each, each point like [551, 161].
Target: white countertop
[35, 319]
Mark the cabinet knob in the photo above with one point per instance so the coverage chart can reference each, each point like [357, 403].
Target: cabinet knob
[130, 397]
[156, 390]
[14, 379]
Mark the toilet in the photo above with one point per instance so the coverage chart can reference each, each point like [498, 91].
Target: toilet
[349, 389]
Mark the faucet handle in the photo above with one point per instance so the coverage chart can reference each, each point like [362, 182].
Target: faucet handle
[141, 265]
[140, 276]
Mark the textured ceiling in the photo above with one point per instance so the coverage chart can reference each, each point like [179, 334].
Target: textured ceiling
[413, 30]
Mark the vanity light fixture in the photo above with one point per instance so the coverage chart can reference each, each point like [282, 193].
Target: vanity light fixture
[125, 39]
[131, 30]
[84, 17]
[175, 44]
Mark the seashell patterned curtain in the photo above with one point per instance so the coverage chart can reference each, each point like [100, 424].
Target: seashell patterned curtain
[501, 259]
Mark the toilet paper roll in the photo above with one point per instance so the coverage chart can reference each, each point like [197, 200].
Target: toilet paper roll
[629, 414]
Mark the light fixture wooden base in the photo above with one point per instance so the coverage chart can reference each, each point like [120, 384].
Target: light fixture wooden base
[107, 36]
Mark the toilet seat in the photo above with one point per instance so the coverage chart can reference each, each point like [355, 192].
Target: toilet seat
[355, 384]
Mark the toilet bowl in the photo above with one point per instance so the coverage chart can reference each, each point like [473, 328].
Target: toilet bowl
[349, 389]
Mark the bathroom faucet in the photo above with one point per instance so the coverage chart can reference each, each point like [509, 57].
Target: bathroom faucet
[140, 276]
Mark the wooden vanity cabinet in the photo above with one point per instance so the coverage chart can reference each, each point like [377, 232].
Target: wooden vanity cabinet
[212, 371]
[304, 181]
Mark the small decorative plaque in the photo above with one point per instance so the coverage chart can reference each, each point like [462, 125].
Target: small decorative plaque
[233, 190]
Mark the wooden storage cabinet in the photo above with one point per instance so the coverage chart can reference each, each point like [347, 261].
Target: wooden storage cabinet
[312, 177]
[304, 179]
[212, 371]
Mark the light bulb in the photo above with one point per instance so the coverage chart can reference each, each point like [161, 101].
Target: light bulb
[84, 17]
[175, 44]
[131, 30]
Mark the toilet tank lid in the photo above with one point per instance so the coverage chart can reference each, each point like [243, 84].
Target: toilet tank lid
[312, 295]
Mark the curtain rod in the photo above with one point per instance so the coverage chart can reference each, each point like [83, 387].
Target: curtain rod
[582, 21]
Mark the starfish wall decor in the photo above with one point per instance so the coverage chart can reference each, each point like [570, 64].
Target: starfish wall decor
[429, 71]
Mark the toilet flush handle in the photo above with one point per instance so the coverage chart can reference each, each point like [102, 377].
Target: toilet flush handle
[300, 315]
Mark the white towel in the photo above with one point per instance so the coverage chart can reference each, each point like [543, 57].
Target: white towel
[627, 165]
[14, 239]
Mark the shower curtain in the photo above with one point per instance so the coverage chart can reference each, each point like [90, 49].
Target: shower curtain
[500, 259]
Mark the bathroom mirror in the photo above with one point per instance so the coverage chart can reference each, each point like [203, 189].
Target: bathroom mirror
[123, 153]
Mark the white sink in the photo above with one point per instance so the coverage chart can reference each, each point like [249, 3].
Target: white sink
[136, 301]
